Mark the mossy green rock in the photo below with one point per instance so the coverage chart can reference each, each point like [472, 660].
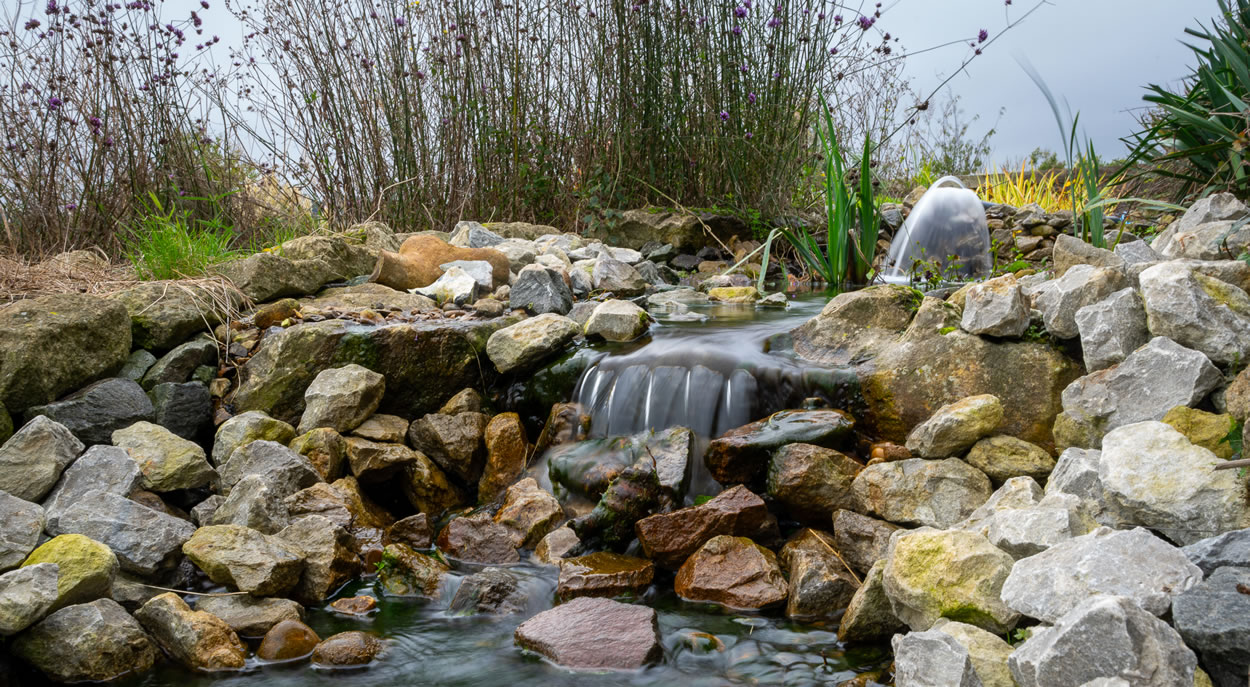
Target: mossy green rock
[733, 294]
[907, 368]
[425, 363]
[1002, 457]
[406, 572]
[52, 345]
[165, 314]
[243, 429]
[1208, 430]
[931, 574]
[87, 568]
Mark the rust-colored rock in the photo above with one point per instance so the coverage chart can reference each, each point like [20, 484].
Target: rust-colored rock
[741, 456]
[347, 649]
[506, 455]
[604, 574]
[594, 633]
[287, 641]
[734, 572]
[670, 538]
[413, 530]
[197, 640]
[355, 605]
[478, 539]
[324, 448]
[529, 512]
[417, 263]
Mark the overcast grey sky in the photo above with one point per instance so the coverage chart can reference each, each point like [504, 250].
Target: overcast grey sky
[1096, 53]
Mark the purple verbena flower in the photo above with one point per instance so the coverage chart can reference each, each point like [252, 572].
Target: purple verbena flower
[982, 36]
[54, 103]
[748, 135]
[737, 30]
[866, 23]
[741, 11]
[400, 21]
[751, 97]
[724, 116]
[774, 22]
[32, 24]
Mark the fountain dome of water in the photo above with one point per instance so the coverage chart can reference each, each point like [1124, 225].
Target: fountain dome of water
[945, 233]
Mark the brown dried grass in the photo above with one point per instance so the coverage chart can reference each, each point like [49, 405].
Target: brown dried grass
[81, 271]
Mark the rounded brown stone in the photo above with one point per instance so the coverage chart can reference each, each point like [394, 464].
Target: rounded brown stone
[355, 605]
[506, 452]
[347, 649]
[734, 572]
[288, 640]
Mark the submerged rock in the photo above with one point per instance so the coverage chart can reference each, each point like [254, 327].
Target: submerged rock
[494, 590]
[593, 633]
[405, 572]
[347, 649]
[603, 574]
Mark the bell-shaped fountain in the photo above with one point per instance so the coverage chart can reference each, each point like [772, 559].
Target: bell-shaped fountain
[946, 237]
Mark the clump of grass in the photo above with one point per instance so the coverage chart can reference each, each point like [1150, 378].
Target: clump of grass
[166, 243]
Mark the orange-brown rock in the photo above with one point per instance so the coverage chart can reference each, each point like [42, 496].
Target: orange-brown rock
[529, 512]
[670, 538]
[506, 453]
[734, 572]
[288, 640]
[603, 574]
[355, 605]
[887, 452]
[417, 263]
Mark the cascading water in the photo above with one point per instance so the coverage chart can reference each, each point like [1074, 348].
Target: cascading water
[709, 377]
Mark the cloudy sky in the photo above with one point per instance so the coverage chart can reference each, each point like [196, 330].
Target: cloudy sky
[1098, 54]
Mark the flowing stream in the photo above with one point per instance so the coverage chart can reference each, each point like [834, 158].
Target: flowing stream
[710, 375]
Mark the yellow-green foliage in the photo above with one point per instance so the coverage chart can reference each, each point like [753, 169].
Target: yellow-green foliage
[1028, 185]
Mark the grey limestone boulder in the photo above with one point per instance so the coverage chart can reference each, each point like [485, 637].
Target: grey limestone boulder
[1112, 329]
[1134, 564]
[1104, 637]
